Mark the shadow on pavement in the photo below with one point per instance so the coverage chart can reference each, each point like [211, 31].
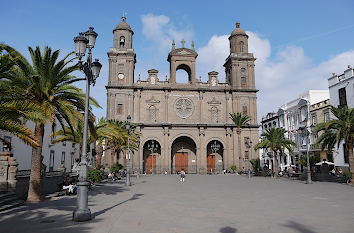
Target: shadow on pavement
[41, 221]
[298, 227]
[134, 197]
[228, 230]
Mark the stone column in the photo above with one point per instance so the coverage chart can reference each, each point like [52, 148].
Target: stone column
[201, 153]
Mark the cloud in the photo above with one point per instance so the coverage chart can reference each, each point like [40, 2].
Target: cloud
[160, 30]
[281, 77]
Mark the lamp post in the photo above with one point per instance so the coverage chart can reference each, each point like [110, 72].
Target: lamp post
[92, 71]
[138, 173]
[306, 133]
[127, 180]
[152, 148]
[215, 147]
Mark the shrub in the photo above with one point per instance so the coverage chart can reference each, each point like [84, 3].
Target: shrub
[94, 175]
[348, 175]
[116, 167]
[233, 168]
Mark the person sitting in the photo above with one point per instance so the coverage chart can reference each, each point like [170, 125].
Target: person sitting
[333, 172]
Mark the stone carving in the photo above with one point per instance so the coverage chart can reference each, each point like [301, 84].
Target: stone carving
[184, 107]
[214, 101]
[152, 100]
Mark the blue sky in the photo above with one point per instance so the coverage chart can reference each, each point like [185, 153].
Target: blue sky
[298, 43]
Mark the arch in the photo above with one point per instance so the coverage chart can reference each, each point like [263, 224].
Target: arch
[242, 46]
[187, 69]
[215, 156]
[151, 156]
[183, 155]
[122, 42]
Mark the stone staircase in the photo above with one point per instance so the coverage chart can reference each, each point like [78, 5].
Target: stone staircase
[8, 200]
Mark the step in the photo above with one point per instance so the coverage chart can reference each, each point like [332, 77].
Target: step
[8, 200]
[14, 204]
[5, 195]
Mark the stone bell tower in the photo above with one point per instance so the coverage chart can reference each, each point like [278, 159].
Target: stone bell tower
[182, 59]
[122, 58]
[239, 66]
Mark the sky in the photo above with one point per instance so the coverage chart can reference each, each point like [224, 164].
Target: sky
[298, 44]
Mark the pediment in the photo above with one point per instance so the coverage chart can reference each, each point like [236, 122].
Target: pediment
[214, 101]
[152, 100]
[183, 52]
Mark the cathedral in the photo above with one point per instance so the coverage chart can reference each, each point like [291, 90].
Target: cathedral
[184, 125]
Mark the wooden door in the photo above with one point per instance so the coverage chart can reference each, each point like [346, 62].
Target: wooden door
[211, 163]
[149, 164]
[181, 161]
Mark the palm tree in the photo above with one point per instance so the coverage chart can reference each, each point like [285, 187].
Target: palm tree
[46, 83]
[240, 120]
[275, 140]
[12, 119]
[337, 131]
[115, 136]
[13, 114]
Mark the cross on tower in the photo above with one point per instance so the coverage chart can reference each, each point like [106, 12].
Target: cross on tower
[183, 41]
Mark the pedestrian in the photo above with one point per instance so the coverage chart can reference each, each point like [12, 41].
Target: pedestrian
[183, 175]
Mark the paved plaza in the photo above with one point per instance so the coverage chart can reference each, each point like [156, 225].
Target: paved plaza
[223, 203]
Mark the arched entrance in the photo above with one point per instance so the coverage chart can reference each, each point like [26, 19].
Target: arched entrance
[152, 157]
[184, 155]
[215, 161]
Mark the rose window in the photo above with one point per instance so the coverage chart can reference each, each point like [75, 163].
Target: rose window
[184, 108]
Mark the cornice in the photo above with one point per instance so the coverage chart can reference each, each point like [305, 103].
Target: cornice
[186, 88]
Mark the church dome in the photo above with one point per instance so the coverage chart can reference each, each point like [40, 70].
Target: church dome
[238, 31]
[123, 25]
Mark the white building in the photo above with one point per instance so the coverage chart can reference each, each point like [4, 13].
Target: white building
[54, 155]
[294, 116]
[341, 90]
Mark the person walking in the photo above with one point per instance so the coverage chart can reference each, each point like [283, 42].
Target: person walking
[183, 175]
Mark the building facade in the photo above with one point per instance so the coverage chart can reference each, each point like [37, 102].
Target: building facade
[184, 120]
[341, 90]
[55, 156]
[298, 118]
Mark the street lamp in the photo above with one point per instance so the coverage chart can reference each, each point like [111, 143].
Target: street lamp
[152, 148]
[92, 71]
[306, 133]
[138, 173]
[215, 147]
[127, 180]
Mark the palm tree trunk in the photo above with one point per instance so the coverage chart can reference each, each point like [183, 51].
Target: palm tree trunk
[351, 159]
[112, 154]
[238, 131]
[99, 150]
[275, 164]
[34, 190]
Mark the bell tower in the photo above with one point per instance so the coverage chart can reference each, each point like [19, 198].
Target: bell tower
[121, 57]
[239, 66]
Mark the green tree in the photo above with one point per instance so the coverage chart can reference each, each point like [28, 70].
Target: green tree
[275, 140]
[47, 84]
[241, 121]
[338, 130]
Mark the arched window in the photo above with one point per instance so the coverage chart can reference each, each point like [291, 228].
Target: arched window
[244, 110]
[152, 113]
[243, 82]
[214, 114]
[121, 42]
[241, 46]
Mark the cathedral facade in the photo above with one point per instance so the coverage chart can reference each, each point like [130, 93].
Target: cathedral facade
[184, 125]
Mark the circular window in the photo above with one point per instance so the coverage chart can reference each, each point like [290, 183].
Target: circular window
[184, 107]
